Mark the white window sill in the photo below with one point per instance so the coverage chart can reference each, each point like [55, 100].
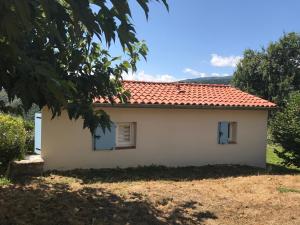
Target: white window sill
[125, 147]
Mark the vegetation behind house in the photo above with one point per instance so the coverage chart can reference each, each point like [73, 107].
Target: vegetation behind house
[272, 72]
[210, 80]
[285, 129]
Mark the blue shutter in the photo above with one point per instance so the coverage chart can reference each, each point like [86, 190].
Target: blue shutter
[37, 132]
[223, 132]
[105, 140]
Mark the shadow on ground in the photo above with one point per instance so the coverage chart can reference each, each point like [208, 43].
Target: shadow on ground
[148, 173]
[55, 204]
[47, 201]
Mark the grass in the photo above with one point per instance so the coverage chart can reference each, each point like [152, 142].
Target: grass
[272, 158]
[153, 195]
[157, 173]
[286, 190]
[276, 163]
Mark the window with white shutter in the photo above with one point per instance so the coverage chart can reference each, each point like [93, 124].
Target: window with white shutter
[125, 136]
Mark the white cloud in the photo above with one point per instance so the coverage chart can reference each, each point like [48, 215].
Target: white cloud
[224, 61]
[196, 73]
[142, 76]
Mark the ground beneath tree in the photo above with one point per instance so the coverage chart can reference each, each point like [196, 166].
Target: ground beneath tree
[164, 196]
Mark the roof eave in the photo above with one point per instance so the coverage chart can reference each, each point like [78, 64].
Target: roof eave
[178, 106]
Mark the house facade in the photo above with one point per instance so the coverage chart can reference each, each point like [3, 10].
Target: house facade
[167, 124]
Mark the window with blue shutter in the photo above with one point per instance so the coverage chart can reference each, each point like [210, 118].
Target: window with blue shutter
[227, 132]
[105, 140]
[223, 132]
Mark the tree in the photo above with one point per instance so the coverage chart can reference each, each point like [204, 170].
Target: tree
[271, 73]
[55, 53]
[285, 128]
[15, 107]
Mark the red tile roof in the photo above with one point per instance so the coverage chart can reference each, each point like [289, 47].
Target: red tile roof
[189, 94]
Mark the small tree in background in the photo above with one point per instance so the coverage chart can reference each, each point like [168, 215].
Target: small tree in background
[272, 72]
[285, 128]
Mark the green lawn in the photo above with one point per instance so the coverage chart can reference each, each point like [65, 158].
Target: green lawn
[272, 158]
[276, 163]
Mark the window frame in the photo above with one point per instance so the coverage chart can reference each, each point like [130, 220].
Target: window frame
[232, 132]
[132, 143]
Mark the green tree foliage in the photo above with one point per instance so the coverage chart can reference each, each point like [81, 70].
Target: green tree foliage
[285, 128]
[271, 73]
[29, 137]
[15, 107]
[55, 53]
[12, 138]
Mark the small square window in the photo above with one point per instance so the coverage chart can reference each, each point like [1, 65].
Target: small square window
[125, 135]
[227, 132]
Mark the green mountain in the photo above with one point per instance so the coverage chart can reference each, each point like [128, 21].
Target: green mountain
[210, 80]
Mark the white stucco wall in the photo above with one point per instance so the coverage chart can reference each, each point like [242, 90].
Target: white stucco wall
[171, 137]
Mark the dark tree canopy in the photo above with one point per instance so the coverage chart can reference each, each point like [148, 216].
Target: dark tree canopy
[54, 53]
[271, 73]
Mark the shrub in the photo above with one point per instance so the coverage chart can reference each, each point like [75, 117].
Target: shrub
[29, 141]
[12, 138]
[4, 181]
[285, 128]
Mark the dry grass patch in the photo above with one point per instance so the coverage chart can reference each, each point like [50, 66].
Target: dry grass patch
[84, 199]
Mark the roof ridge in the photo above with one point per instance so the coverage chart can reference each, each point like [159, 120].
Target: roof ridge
[176, 83]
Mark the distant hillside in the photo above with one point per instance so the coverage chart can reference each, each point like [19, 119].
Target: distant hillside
[210, 80]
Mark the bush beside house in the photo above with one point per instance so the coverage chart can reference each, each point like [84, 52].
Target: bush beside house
[12, 139]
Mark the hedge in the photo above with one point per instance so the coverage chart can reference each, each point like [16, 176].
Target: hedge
[12, 138]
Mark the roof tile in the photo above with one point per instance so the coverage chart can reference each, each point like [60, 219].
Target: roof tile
[161, 93]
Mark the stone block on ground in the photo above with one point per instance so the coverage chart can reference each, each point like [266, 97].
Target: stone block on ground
[32, 165]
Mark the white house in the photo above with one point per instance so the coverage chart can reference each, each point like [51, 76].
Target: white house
[171, 124]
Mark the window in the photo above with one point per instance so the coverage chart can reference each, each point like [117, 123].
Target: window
[125, 135]
[120, 136]
[227, 132]
[232, 130]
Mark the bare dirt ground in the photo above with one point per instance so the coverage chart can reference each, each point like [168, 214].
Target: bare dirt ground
[153, 196]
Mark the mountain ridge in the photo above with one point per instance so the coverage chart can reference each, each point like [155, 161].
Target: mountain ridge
[210, 80]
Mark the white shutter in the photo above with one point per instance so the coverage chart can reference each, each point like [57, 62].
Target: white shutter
[125, 134]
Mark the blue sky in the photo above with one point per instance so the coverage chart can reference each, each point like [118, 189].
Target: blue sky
[207, 37]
